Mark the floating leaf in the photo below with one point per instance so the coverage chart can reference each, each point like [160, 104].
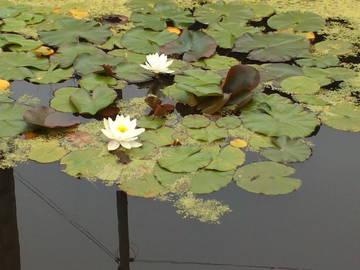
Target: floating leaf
[281, 120]
[209, 134]
[160, 15]
[151, 122]
[46, 151]
[132, 72]
[206, 181]
[92, 102]
[180, 95]
[88, 63]
[52, 76]
[268, 178]
[238, 143]
[94, 80]
[228, 122]
[18, 43]
[66, 55]
[159, 137]
[300, 85]
[195, 121]
[311, 100]
[275, 73]
[297, 20]
[78, 14]
[225, 34]
[8, 12]
[14, 66]
[287, 150]
[71, 31]
[194, 46]
[184, 159]
[130, 56]
[147, 151]
[46, 117]
[12, 25]
[61, 100]
[342, 116]
[145, 41]
[216, 62]
[199, 82]
[322, 61]
[334, 47]
[272, 47]
[221, 11]
[228, 159]
[11, 119]
[43, 51]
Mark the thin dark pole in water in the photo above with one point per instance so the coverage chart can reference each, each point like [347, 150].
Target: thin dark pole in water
[123, 227]
[9, 234]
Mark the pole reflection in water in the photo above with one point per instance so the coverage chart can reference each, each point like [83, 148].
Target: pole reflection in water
[9, 235]
[123, 228]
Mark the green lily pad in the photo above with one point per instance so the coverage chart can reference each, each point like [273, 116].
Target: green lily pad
[130, 56]
[207, 181]
[31, 18]
[61, 100]
[88, 63]
[160, 15]
[209, 134]
[322, 61]
[195, 121]
[272, 47]
[300, 85]
[52, 76]
[229, 122]
[71, 31]
[217, 62]
[86, 163]
[146, 41]
[221, 11]
[328, 75]
[94, 80]
[18, 43]
[146, 151]
[311, 100]
[46, 151]
[11, 119]
[334, 47]
[179, 94]
[192, 44]
[275, 73]
[133, 73]
[67, 54]
[228, 159]
[15, 66]
[268, 178]
[8, 12]
[225, 34]
[342, 116]
[92, 102]
[184, 159]
[297, 20]
[12, 25]
[151, 122]
[280, 119]
[199, 82]
[287, 150]
[159, 137]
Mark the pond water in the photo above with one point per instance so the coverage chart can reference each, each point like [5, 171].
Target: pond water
[66, 223]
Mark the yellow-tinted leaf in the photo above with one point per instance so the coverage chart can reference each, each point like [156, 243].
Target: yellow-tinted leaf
[4, 84]
[78, 14]
[174, 30]
[43, 51]
[238, 143]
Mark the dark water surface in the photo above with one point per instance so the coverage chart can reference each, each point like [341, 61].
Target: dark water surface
[316, 227]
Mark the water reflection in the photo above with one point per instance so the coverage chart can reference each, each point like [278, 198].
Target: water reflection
[9, 235]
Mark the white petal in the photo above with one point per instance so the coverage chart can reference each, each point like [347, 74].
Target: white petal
[129, 145]
[106, 123]
[113, 145]
[108, 133]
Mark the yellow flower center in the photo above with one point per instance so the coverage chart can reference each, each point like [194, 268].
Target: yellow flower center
[122, 129]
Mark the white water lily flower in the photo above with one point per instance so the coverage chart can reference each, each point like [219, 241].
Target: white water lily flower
[158, 63]
[122, 132]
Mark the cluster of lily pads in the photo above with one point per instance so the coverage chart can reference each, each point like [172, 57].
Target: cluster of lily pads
[243, 78]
